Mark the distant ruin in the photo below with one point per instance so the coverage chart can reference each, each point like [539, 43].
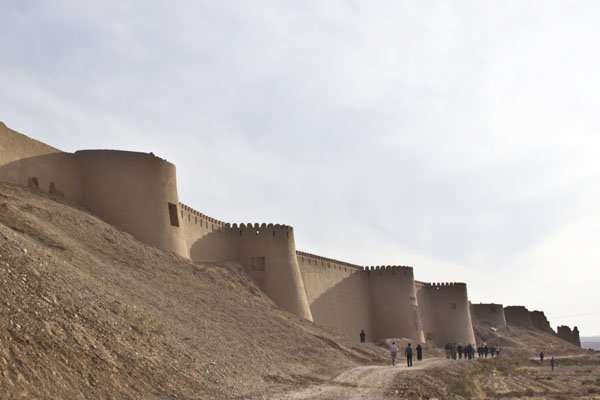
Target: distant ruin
[565, 333]
[137, 193]
[489, 314]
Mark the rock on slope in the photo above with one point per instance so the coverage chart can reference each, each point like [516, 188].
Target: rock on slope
[89, 312]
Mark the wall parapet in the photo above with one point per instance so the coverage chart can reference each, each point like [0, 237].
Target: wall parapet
[191, 212]
[387, 267]
[442, 285]
[326, 260]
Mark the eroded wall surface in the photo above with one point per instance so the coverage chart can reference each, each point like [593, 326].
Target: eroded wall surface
[539, 321]
[518, 316]
[338, 294]
[488, 314]
[565, 333]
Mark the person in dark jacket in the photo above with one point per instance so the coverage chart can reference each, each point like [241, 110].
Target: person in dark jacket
[408, 351]
[419, 352]
[363, 336]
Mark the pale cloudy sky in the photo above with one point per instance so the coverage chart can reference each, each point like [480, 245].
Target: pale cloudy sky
[458, 137]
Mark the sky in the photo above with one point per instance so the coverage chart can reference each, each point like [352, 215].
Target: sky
[461, 138]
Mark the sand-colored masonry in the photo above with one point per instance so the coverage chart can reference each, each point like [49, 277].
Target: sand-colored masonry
[137, 192]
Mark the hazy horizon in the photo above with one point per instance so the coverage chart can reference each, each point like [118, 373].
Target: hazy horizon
[459, 139]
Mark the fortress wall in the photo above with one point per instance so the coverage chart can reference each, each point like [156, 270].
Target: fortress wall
[394, 303]
[565, 333]
[132, 191]
[539, 321]
[205, 238]
[518, 316]
[446, 314]
[28, 162]
[338, 294]
[269, 251]
[489, 314]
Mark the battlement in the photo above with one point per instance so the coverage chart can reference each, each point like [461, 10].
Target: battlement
[193, 216]
[444, 285]
[263, 229]
[387, 268]
[326, 262]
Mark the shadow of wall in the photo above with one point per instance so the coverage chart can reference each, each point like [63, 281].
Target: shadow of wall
[339, 298]
[54, 173]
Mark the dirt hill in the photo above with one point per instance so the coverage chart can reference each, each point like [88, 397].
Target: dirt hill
[523, 341]
[89, 312]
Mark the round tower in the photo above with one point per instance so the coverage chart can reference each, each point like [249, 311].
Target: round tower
[136, 192]
[394, 302]
[446, 313]
[268, 252]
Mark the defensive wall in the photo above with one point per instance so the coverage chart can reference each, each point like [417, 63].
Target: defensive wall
[394, 300]
[488, 314]
[338, 294]
[129, 190]
[445, 313]
[266, 251]
[137, 192]
[565, 333]
[518, 316]
[539, 321]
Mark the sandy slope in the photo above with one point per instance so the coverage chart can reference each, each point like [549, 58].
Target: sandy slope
[89, 312]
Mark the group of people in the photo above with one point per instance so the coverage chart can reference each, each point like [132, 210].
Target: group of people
[408, 352]
[551, 360]
[458, 352]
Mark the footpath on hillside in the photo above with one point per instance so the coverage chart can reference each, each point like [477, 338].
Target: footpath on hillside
[364, 382]
[575, 377]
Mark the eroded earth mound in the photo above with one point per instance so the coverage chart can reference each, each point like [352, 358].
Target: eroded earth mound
[90, 312]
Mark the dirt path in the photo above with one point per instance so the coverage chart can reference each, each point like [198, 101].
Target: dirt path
[366, 382]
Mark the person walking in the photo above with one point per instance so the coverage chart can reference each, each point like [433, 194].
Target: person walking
[363, 336]
[419, 352]
[408, 351]
[541, 356]
[460, 351]
[393, 352]
[486, 350]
